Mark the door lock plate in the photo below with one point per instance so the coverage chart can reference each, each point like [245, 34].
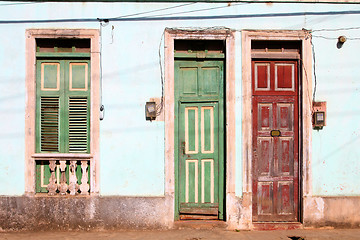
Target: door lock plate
[275, 133]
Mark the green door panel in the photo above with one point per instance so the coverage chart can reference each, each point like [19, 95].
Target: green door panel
[199, 137]
[209, 80]
[188, 80]
[199, 80]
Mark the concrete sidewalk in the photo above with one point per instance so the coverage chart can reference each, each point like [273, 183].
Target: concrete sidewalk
[188, 234]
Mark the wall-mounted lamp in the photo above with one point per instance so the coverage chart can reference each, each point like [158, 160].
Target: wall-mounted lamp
[150, 111]
[341, 41]
[319, 115]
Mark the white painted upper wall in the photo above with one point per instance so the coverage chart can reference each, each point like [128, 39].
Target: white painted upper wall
[132, 149]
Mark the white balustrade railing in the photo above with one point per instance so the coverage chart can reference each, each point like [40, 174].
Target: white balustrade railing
[58, 181]
[71, 187]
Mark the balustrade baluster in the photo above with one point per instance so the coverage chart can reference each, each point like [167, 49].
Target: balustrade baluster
[73, 186]
[63, 185]
[84, 186]
[52, 187]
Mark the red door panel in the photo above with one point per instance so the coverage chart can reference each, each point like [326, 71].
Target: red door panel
[275, 141]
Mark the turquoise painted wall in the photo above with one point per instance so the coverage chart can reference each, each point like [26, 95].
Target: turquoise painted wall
[132, 149]
[12, 112]
[336, 152]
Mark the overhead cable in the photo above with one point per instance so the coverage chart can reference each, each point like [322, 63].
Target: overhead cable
[177, 18]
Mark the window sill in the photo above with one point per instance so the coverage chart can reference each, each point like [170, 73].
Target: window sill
[58, 156]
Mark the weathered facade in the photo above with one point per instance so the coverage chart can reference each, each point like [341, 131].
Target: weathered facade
[234, 86]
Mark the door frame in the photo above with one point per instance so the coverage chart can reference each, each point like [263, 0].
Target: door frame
[305, 128]
[228, 36]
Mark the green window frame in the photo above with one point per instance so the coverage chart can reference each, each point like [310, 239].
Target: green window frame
[62, 113]
[63, 105]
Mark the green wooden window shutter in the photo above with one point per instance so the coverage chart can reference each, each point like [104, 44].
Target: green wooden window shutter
[63, 106]
[49, 121]
[78, 124]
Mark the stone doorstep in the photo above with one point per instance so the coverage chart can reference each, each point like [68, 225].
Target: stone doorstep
[200, 224]
[261, 226]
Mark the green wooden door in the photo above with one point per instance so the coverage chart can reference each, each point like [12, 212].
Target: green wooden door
[199, 139]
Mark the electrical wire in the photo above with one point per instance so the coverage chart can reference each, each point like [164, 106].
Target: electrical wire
[198, 10]
[112, 34]
[104, 21]
[160, 107]
[186, 18]
[101, 74]
[307, 81]
[16, 4]
[327, 38]
[335, 38]
[335, 29]
[314, 67]
[157, 10]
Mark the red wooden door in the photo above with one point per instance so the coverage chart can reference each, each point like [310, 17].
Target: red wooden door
[275, 141]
